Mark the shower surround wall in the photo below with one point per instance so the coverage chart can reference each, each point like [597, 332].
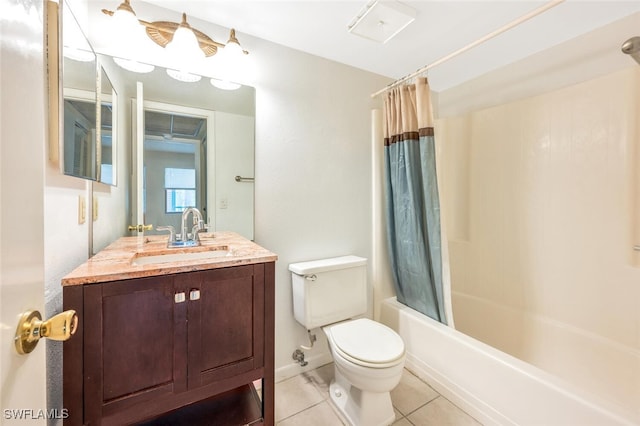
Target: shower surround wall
[541, 203]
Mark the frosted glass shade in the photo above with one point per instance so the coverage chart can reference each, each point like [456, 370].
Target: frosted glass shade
[184, 50]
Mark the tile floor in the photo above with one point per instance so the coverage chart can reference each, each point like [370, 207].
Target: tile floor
[303, 400]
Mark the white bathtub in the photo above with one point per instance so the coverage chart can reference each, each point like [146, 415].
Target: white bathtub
[490, 385]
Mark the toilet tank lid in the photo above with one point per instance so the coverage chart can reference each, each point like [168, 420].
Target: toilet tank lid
[323, 265]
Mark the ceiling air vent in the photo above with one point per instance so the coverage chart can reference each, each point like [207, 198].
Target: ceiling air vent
[382, 20]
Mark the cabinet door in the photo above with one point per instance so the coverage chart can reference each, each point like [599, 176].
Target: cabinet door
[140, 354]
[226, 323]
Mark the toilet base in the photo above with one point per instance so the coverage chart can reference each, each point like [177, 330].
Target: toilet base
[359, 407]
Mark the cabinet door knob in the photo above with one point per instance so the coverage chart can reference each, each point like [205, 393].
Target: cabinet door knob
[194, 294]
[179, 297]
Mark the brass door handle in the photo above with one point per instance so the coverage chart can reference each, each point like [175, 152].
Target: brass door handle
[31, 329]
[140, 228]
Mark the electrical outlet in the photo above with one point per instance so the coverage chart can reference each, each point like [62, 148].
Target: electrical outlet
[224, 203]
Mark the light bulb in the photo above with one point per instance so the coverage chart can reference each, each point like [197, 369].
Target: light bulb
[184, 49]
[125, 20]
[233, 49]
[231, 59]
[128, 31]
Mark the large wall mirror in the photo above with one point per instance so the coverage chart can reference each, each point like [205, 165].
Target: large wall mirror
[197, 148]
[197, 142]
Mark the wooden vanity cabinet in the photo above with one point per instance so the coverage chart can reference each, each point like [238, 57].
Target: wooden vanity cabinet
[150, 346]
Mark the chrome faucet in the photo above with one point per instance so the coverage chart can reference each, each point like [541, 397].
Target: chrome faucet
[184, 239]
[198, 225]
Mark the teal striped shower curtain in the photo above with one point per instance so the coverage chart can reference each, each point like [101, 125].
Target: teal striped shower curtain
[412, 203]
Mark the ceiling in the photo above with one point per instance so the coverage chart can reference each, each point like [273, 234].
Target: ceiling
[441, 27]
[319, 27]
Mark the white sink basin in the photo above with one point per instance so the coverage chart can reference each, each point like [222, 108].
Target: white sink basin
[180, 257]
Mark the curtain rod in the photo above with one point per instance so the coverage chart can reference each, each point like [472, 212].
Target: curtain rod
[469, 46]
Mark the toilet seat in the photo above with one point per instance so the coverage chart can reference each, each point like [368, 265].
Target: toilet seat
[367, 343]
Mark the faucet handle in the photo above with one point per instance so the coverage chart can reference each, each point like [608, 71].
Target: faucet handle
[172, 232]
[198, 228]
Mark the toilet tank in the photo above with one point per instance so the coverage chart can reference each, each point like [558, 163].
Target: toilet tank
[329, 290]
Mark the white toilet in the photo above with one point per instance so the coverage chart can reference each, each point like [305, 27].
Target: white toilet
[368, 356]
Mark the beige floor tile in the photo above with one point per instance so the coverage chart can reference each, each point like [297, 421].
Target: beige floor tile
[402, 421]
[321, 378]
[294, 395]
[411, 393]
[318, 415]
[441, 412]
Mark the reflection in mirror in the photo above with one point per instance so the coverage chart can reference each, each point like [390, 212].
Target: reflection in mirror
[108, 145]
[211, 128]
[174, 167]
[79, 87]
[79, 134]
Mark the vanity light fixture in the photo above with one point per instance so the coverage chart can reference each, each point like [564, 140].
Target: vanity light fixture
[185, 44]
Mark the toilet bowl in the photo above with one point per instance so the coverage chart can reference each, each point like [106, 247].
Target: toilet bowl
[369, 359]
[368, 356]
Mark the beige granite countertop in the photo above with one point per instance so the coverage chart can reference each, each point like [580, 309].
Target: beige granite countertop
[115, 261]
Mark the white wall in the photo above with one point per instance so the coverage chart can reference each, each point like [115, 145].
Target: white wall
[313, 171]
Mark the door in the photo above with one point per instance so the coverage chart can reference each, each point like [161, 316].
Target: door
[172, 166]
[22, 156]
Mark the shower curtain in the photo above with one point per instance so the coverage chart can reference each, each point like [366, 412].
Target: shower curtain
[412, 203]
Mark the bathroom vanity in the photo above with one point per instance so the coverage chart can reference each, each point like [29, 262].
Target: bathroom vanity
[172, 336]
